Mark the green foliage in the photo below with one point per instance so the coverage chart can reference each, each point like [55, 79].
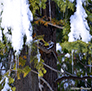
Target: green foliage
[13, 88]
[36, 4]
[11, 80]
[22, 61]
[66, 30]
[40, 68]
[78, 45]
[64, 5]
[89, 15]
[23, 69]
[2, 47]
[26, 70]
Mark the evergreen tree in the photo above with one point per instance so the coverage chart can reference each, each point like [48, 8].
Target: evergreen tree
[39, 66]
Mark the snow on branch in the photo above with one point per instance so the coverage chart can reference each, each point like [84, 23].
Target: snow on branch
[16, 16]
[79, 26]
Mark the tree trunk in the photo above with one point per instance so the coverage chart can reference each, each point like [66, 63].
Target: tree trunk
[49, 35]
[30, 82]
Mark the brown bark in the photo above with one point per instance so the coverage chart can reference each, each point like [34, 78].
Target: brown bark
[49, 59]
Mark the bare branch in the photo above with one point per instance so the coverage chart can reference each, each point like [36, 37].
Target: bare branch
[52, 68]
[34, 71]
[72, 77]
[43, 80]
[47, 84]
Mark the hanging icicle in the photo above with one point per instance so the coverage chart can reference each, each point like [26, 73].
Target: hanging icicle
[86, 79]
[50, 9]
[40, 9]
[90, 64]
[72, 61]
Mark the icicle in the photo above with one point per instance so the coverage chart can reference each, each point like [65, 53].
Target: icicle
[50, 9]
[38, 55]
[10, 60]
[40, 9]
[90, 65]
[86, 79]
[17, 63]
[72, 61]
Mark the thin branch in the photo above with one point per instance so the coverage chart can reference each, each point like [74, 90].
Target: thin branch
[34, 71]
[47, 84]
[58, 80]
[89, 66]
[52, 68]
[61, 66]
[43, 80]
[49, 23]
[83, 64]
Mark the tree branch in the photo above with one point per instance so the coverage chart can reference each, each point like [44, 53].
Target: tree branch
[49, 23]
[52, 68]
[46, 83]
[49, 51]
[43, 80]
[72, 77]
